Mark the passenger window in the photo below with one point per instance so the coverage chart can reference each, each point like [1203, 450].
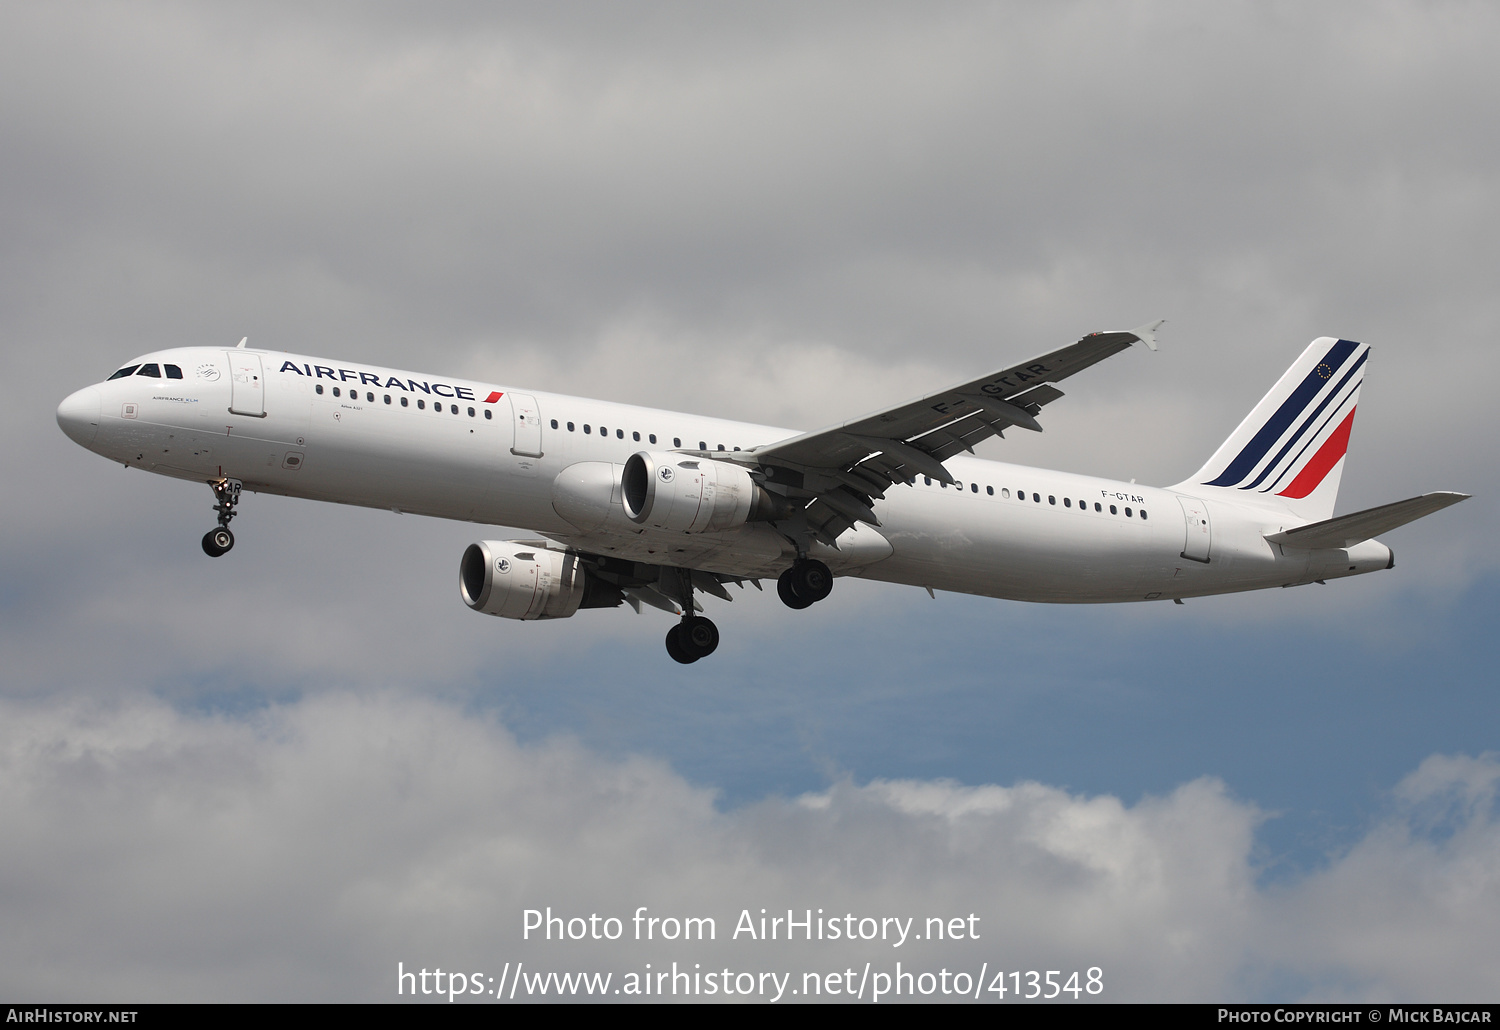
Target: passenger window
[488, 413]
[336, 391]
[554, 423]
[403, 399]
[652, 438]
[974, 488]
[1037, 498]
[319, 390]
[1127, 513]
[1096, 506]
[128, 370]
[676, 441]
[636, 437]
[990, 490]
[1067, 502]
[370, 397]
[620, 434]
[603, 431]
[421, 404]
[927, 480]
[586, 428]
[1051, 499]
[388, 398]
[1143, 514]
[1005, 492]
[471, 413]
[173, 372]
[702, 445]
[944, 485]
[454, 408]
[1113, 510]
[570, 427]
[721, 447]
[150, 370]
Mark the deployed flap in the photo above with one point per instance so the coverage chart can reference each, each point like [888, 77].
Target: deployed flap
[1348, 530]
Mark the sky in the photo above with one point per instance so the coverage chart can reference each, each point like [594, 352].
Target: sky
[297, 771]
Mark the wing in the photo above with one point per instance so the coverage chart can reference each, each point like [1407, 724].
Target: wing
[835, 474]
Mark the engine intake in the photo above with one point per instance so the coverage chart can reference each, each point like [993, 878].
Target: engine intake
[518, 580]
[694, 495]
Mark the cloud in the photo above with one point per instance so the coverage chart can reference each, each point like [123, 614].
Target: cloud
[300, 853]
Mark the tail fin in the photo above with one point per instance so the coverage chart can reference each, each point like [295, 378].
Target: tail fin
[1289, 451]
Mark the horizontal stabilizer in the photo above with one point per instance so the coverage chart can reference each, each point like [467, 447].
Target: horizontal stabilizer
[1348, 530]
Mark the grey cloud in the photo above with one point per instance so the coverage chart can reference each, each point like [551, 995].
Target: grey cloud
[301, 854]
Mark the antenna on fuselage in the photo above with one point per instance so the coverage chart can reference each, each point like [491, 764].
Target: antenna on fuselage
[241, 344]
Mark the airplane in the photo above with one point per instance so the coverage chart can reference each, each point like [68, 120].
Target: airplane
[645, 507]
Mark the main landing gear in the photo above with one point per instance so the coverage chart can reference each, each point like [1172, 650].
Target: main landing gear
[806, 583]
[693, 638]
[219, 541]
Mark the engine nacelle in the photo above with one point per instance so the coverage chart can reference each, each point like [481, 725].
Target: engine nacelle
[517, 580]
[683, 494]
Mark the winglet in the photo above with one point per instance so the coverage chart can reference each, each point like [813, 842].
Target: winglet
[1147, 333]
[241, 344]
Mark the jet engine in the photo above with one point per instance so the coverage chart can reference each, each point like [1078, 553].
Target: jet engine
[694, 495]
[520, 580]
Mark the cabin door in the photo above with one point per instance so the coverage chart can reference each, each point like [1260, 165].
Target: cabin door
[247, 384]
[1199, 532]
[527, 420]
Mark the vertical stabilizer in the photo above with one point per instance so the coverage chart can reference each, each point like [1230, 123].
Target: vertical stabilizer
[1289, 451]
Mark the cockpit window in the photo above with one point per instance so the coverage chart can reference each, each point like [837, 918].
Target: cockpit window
[127, 370]
[173, 372]
[152, 370]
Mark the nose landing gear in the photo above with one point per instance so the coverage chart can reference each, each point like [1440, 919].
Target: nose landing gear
[806, 583]
[227, 493]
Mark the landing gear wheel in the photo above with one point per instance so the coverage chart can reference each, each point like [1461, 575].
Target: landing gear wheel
[675, 649]
[699, 636]
[217, 541]
[815, 579]
[788, 592]
[806, 583]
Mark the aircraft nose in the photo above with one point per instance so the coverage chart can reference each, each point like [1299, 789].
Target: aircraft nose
[78, 415]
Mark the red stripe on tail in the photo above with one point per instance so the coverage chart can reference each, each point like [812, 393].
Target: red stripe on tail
[1327, 457]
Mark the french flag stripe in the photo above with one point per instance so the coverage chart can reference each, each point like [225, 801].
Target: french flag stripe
[1327, 457]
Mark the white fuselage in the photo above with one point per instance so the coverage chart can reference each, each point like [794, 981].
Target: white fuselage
[485, 453]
